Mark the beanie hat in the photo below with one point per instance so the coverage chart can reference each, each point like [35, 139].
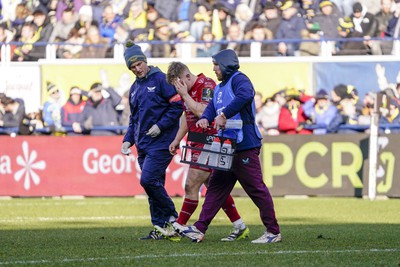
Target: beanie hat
[292, 93]
[287, 5]
[322, 94]
[325, 3]
[51, 88]
[357, 7]
[133, 53]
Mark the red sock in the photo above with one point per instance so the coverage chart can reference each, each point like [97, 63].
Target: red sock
[230, 209]
[188, 207]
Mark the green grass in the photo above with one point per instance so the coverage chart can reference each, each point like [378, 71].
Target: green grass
[105, 232]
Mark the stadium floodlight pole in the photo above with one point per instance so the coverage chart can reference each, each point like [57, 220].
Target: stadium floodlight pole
[373, 148]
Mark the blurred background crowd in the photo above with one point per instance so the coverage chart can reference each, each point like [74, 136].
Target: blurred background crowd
[91, 28]
[102, 111]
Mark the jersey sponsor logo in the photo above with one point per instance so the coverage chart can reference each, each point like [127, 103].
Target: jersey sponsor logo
[207, 94]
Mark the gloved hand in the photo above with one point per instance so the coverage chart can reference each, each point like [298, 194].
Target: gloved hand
[154, 131]
[126, 148]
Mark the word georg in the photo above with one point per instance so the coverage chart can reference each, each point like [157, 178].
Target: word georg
[94, 162]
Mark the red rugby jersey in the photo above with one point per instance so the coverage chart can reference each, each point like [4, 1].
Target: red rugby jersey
[202, 92]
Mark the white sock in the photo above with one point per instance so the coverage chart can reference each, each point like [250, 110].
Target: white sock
[239, 224]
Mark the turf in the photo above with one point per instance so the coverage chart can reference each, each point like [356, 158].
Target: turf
[105, 232]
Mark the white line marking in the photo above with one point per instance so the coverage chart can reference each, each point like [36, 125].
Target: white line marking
[71, 219]
[151, 256]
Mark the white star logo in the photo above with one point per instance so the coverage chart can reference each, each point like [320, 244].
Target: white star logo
[28, 167]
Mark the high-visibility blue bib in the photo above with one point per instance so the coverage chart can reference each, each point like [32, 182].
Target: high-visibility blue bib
[223, 95]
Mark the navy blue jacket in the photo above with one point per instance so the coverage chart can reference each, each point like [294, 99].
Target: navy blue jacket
[152, 101]
[244, 96]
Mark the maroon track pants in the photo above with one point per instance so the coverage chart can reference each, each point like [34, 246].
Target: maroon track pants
[247, 170]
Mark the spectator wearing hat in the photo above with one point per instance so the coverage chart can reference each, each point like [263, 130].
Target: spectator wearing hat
[52, 107]
[350, 47]
[99, 111]
[311, 45]
[328, 19]
[84, 20]
[342, 91]
[347, 116]
[163, 35]
[290, 28]
[155, 111]
[292, 118]
[320, 111]
[271, 17]
[365, 23]
[72, 110]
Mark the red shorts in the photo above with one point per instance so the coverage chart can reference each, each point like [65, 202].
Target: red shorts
[195, 155]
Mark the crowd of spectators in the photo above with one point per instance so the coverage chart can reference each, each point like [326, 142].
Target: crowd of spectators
[90, 28]
[97, 111]
[102, 111]
[291, 111]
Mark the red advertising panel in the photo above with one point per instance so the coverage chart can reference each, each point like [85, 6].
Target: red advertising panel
[76, 165]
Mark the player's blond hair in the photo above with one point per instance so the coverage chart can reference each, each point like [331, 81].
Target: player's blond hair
[175, 70]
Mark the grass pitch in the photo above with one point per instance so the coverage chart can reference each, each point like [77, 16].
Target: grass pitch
[105, 232]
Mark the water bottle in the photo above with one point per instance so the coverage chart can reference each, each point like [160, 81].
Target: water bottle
[203, 157]
[233, 124]
[214, 157]
[225, 159]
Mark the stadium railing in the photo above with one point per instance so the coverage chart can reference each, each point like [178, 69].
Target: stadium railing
[186, 48]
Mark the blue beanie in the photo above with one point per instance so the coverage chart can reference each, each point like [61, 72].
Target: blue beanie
[133, 53]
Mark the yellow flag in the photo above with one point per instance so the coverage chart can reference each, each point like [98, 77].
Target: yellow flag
[216, 27]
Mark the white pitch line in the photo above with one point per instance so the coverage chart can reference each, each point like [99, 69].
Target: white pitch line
[152, 256]
[71, 219]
